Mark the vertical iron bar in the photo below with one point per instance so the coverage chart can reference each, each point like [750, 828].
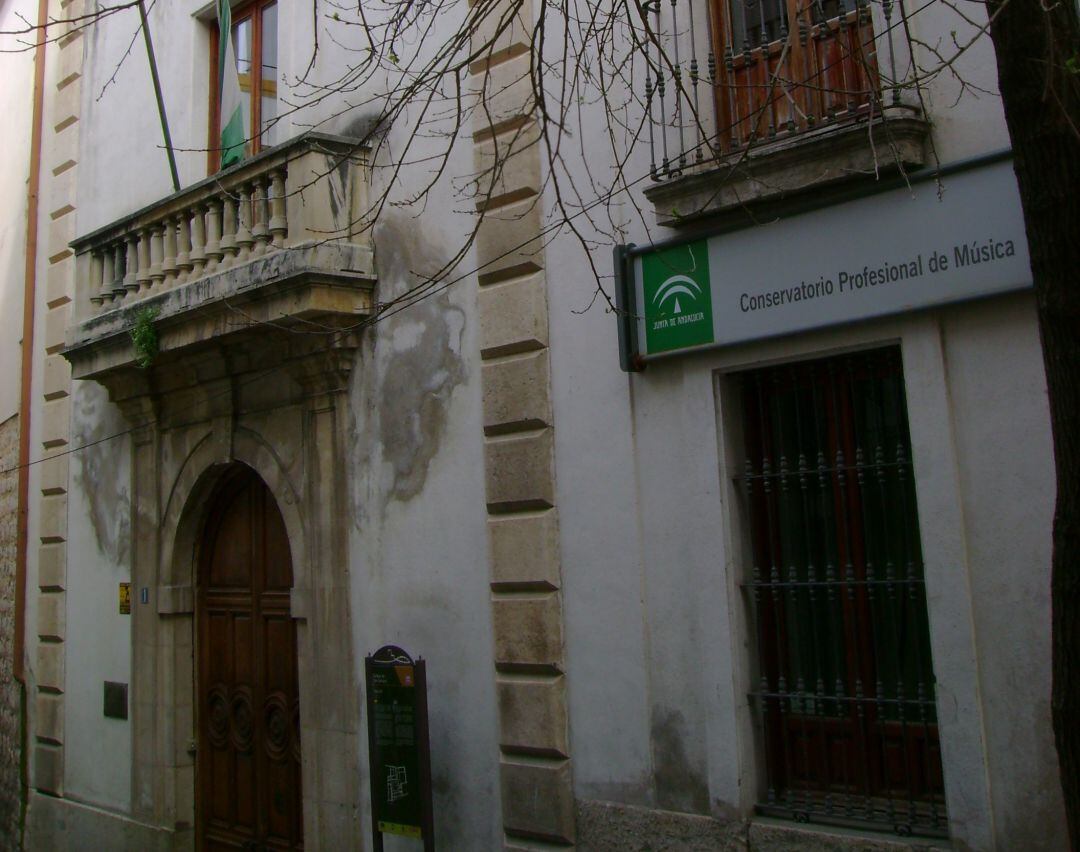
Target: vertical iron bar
[812, 581]
[649, 119]
[808, 584]
[887, 10]
[788, 552]
[699, 146]
[868, 573]
[680, 91]
[763, 678]
[774, 582]
[828, 517]
[847, 583]
[661, 90]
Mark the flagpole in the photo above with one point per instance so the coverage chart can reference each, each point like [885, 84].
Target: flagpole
[160, 100]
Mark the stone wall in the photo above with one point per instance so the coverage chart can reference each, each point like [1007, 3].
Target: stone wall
[10, 715]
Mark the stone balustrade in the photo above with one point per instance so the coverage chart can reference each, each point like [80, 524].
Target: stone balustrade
[257, 207]
[275, 240]
[209, 233]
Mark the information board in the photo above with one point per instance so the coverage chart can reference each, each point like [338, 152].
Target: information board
[398, 747]
[944, 237]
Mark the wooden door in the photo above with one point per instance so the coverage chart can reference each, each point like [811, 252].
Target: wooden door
[248, 757]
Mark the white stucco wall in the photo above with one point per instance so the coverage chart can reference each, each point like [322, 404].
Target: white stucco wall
[98, 751]
[16, 105]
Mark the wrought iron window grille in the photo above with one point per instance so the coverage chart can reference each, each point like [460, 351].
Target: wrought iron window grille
[843, 697]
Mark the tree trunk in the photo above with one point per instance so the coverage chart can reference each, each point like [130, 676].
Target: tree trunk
[1038, 48]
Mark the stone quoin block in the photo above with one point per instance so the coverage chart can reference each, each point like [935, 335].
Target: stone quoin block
[49, 717]
[48, 769]
[528, 631]
[56, 422]
[61, 232]
[57, 381]
[59, 278]
[51, 615]
[506, 94]
[517, 392]
[503, 29]
[53, 523]
[508, 241]
[68, 68]
[508, 165]
[50, 667]
[520, 471]
[524, 549]
[513, 316]
[60, 190]
[54, 474]
[65, 105]
[532, 715]
[65, 141]
[538, 800]
[56, 321]
[52, 566]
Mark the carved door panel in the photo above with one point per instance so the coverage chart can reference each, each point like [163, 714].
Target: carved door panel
[248, 759]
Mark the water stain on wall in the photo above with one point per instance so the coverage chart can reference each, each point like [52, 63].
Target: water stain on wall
[100, 470]
[680, 785]
[410, 365]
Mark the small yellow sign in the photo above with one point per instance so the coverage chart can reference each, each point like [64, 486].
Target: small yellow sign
[398, 828]
[125, 598]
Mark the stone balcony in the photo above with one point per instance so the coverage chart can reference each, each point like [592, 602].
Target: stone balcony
[262, 263]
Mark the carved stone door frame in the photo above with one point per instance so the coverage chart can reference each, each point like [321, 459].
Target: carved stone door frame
[290, 429]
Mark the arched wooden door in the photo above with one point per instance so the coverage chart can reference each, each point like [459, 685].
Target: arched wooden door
[248, 757]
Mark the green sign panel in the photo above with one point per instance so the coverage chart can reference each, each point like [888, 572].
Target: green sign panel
[678, 297]
[398, 747]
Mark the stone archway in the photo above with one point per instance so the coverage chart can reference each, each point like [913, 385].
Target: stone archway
[183, 446]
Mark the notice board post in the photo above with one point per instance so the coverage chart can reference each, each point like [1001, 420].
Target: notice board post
[399, 753]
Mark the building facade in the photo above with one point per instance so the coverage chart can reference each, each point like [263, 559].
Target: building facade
[757, 556]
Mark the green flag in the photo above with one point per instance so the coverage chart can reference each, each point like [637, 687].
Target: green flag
[233, 129]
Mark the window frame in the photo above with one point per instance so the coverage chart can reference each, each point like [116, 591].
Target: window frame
[743, 75]
[875, 730]
[252, 11]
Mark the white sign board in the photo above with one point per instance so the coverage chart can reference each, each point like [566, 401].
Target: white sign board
[892, 252]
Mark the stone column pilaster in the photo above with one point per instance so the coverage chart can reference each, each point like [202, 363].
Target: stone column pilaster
[523, 523]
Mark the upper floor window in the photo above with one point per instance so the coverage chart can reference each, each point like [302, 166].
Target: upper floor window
[789, 66]
[255, 52]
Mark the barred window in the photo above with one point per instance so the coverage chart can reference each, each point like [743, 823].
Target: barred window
[844, 693]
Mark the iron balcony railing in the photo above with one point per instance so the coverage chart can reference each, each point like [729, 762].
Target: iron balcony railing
[725, 75]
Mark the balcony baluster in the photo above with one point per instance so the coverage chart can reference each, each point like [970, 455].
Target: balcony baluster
[243, 229]
[229, 246]
[259, 230]
[168, 263]
[157, 251]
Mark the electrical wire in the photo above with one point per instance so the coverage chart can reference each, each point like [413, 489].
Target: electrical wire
[403, 302]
